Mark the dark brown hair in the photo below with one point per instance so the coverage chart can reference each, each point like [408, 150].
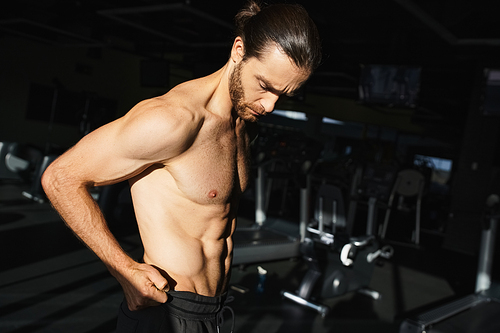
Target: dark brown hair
[287, 25]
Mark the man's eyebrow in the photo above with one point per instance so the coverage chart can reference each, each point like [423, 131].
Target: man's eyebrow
[270, 87]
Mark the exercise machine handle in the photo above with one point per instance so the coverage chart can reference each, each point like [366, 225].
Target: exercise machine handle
[385, 252]
[344, 255]
[355, 242]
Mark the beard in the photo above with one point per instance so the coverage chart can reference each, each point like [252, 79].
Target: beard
[237, 96]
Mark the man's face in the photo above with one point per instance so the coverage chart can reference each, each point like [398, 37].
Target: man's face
[256, 84]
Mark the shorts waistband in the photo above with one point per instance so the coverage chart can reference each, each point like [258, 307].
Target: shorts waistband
[190, 305]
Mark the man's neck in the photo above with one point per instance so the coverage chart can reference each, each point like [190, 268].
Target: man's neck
[220, 101]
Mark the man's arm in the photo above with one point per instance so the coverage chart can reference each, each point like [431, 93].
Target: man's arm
[148, 134]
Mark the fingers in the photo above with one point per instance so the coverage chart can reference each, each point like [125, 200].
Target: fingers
[155, 288]
[159, 281]
[160, 296]
[145, 298]
[147, 288]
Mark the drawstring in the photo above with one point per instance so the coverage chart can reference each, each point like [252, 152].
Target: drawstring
[220, 315]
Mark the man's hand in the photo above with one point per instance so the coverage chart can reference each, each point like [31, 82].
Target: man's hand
[143, 286]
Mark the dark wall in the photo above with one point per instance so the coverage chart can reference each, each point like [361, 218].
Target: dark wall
[473, 179]
[112, 77]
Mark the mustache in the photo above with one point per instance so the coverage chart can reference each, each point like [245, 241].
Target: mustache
[257, 109]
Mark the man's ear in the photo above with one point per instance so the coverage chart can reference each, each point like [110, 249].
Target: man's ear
[238, 50]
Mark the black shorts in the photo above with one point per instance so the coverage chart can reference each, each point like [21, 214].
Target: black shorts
[183, 312]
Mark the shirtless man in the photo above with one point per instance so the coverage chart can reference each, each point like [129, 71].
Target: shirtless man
[186, 156]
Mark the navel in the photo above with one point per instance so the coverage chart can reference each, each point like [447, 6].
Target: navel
[212, 194]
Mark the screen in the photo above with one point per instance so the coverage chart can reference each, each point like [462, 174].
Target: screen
[441, 167]
[389, 85]
[491, 104]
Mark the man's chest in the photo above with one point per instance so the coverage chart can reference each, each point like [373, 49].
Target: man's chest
[214, 169]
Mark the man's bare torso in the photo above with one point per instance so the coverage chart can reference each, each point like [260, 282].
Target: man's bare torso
[186, 208]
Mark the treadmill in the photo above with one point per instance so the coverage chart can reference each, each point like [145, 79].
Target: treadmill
[478, 312]
[268, 239]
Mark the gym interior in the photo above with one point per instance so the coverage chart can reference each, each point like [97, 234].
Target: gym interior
[374, 198]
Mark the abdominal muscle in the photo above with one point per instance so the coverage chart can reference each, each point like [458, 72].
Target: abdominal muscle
[188, 242]
[191, 265]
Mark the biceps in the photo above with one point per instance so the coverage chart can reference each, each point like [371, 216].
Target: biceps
[124, 148]
[99, 159]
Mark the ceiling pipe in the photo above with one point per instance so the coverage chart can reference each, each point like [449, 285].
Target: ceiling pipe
[116, 12]
[74, 40]
[441, 30]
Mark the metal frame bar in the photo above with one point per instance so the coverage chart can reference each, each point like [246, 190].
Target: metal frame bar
[114, 14]
[89, 41]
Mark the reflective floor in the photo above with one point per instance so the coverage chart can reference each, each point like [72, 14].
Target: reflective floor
[49, 282]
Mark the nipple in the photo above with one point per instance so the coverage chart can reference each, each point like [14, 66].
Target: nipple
[212, 194]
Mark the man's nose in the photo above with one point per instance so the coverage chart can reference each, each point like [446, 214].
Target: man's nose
[269, 102]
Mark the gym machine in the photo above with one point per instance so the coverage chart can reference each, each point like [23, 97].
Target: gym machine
[349, 261]
[18, 161]
[260, 242]
[36, 192]
[275, 238]
[27, 164]
[478, 312]
[373, 190]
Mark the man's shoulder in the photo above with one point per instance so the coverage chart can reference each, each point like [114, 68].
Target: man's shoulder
[170, 107]
[184, 106]
[160, 127]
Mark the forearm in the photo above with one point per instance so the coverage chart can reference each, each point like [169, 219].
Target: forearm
[72, 200]
[142, 284]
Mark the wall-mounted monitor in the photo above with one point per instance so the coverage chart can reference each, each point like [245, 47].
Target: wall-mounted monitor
[389, 85]
[491, 97]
